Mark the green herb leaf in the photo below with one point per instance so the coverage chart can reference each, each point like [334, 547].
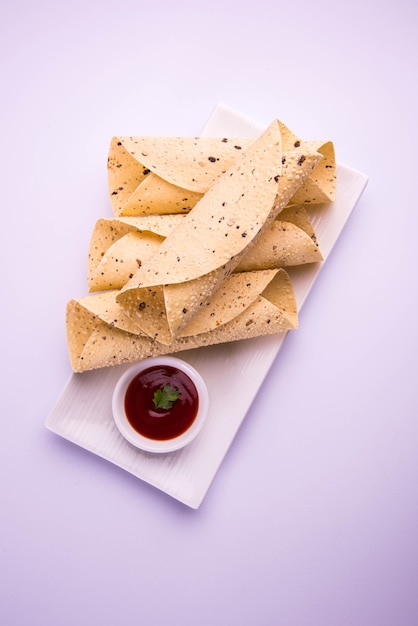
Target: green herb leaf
[166, 397]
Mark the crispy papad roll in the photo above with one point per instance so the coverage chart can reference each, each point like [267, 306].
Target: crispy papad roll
[148, 175]
[120, 245]
[95, 343]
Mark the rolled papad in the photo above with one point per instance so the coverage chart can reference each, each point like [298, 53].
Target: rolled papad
[197, 256]
[94, 343]
[148, 175]
[194, 254]
[236, 294]
[119, 246]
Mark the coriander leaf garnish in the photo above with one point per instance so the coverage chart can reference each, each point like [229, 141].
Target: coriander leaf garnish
[165, 398]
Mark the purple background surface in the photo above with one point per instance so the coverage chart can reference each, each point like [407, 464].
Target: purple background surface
[312, 518]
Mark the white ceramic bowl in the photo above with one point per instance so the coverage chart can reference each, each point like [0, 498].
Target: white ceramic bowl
[154, 445]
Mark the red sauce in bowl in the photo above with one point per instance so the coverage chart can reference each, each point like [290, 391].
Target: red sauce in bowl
[157, 423]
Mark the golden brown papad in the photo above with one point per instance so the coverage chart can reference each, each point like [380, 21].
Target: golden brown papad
[119, 246]
[237, 293]
[148, 175]
[95, 343]
[197, 256]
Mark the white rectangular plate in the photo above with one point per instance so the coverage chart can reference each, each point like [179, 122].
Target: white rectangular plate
[83, 412]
